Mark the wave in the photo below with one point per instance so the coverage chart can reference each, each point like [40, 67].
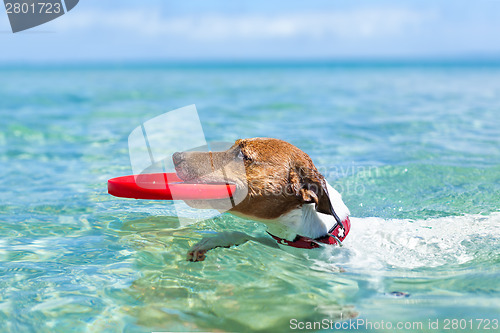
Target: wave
[382, 244]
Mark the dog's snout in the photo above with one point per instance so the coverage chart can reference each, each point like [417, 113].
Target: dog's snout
[177, 157]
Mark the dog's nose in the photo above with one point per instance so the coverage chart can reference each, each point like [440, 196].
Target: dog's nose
[177, 157]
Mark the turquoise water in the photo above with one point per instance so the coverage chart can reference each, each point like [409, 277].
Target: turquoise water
[415, 151]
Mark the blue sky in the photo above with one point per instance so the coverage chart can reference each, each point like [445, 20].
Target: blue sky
[123, 30]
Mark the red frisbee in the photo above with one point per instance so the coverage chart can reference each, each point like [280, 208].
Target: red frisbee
[166, 186]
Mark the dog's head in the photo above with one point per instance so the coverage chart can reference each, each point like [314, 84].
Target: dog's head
[271, 175]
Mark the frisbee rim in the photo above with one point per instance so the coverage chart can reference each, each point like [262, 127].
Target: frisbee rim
[154, 188]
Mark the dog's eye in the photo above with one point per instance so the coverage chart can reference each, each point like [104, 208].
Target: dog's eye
[243, 156]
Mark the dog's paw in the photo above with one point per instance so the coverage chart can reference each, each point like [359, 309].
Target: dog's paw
[222, 239]
[197, 252]
[196, 255]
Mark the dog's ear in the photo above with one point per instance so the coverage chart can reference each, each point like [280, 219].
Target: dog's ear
[310, 187]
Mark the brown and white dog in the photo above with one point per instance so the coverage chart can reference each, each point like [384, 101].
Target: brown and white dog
[282, 189]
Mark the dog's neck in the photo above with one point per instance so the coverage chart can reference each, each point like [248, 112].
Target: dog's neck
[306, 221]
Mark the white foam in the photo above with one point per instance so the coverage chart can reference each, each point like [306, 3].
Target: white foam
[375, 243]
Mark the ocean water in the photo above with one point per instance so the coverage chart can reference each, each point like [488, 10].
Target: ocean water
[414, 150]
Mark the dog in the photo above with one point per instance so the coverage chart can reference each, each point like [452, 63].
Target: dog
[276, 184]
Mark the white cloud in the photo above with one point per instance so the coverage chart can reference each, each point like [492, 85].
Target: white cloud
[357, 23]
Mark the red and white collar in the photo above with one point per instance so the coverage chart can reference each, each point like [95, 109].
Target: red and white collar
[335, 236]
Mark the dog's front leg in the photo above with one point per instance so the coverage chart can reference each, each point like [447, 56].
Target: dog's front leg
[222, 239]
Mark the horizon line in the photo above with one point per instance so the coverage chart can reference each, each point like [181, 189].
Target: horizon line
[490, 60]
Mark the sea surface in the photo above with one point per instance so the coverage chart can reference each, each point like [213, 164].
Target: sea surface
[414, 150]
